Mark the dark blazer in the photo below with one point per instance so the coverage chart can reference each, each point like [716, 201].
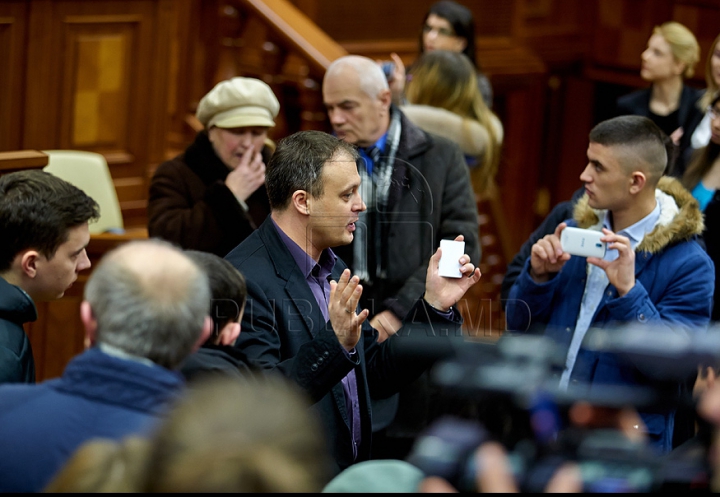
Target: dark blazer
[637, 103]
[284, 330]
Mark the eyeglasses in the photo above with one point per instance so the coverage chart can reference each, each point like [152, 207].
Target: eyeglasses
[714, 113]
[440, 31]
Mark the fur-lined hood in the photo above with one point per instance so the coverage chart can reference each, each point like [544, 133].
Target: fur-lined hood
[680, 217]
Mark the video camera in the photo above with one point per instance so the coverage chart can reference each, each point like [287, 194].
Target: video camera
[520, 373]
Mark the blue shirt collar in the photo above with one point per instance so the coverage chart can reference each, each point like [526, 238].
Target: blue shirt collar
[637, 231]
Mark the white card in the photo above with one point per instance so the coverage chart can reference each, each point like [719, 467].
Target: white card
[450, 259]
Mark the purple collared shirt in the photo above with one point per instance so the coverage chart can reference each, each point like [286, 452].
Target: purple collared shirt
[317, 275]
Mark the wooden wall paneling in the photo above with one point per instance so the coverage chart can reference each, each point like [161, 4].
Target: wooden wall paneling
[703, 19]
[98, 81]
[13, 26]
[622, 29]
[574, 126]
[557, 30]
[43, 79]
[521, 110]
[380, 19]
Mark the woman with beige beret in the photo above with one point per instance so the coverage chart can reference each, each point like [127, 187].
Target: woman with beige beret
[212, 196]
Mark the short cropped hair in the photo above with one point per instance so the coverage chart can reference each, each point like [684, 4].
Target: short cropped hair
[641, 135]
[37, 211]
[683, 45]
[297, 164]
[150, 300]
[369, 75]
[227, 288]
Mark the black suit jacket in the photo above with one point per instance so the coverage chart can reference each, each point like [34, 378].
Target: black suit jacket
[284, 330]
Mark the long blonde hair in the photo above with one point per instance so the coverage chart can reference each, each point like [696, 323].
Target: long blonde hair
[448, 80]
[712, 86]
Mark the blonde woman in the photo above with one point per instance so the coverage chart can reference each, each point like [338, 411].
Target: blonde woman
[701, 136]
[443, 98]
[670, 57]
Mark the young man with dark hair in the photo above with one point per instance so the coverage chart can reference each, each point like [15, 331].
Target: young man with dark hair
[44, 232]
[229, 293]
[654, 272]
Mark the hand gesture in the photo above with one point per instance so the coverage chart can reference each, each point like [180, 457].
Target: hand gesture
[547, 256]
[676, 135]
[397, 83]
[441, 292]
[621, 271]
[386, 323]
[247, 176]
[344, 298]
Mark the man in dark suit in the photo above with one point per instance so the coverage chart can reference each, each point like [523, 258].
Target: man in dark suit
[301, 317]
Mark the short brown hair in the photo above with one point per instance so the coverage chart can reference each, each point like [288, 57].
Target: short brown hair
[38, 210]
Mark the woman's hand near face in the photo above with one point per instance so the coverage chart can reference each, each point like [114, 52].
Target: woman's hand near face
[247, 176]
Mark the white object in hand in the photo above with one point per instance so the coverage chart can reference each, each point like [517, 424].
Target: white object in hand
[583, 243]
[450, 260]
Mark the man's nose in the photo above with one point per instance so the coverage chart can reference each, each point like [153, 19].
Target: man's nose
[584, 176]
[84, 262]
[336, 117]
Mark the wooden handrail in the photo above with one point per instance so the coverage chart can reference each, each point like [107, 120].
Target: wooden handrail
[302, 33]
[18, 160]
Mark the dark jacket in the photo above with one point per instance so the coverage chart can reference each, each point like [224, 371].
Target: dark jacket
[283, 330]
[711, 235]
[190, 205]
[430, 199]
[16, 359]
[98, 396]
[637, 103]
[217, 360]
[673, 288]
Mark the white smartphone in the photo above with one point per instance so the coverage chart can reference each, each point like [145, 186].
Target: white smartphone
[581, 242]
[450, 259]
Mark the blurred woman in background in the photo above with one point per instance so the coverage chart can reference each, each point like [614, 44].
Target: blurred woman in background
[443, 98]
[701, 136]
[447, 26]
[702, 178]
[670, 57]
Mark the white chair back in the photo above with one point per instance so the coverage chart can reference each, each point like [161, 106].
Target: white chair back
[89, 172]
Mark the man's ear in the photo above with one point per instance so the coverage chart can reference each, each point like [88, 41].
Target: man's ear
[29, 262]
[385, 97]
[89, 323]
[229, 333]
[300, 202]
[637, 182]
[205, 334]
